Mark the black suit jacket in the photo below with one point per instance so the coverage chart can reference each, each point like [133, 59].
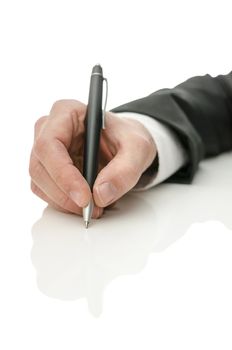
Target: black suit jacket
[199, 111]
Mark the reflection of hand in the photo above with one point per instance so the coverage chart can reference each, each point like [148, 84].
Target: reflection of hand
[126, 151]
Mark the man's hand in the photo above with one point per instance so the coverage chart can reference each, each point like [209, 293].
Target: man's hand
[126, 151]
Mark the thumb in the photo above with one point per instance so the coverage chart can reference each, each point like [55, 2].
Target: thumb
[121, 174]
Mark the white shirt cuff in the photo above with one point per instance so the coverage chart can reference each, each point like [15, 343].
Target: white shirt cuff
[171, 154]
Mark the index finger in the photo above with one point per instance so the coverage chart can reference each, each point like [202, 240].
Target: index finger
[51, 148]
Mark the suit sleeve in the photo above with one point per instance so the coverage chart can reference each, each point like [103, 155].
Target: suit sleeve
[199, 111]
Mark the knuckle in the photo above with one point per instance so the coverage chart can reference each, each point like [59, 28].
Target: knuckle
[68, 105]
[59, 103]
[40, 145]
[39, 123]
[64, 104]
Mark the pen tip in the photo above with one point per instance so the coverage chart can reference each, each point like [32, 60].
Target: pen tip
[86, 224]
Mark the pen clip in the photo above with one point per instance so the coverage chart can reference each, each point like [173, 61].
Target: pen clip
[104, 110]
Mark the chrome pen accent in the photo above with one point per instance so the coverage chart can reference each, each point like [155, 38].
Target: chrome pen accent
[87, 212]
[104, 109]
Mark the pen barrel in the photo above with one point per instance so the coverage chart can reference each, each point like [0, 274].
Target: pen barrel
[93, 125]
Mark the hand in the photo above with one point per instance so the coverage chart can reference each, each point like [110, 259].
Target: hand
[126, 151]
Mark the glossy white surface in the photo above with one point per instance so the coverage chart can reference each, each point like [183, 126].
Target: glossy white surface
[155, 272]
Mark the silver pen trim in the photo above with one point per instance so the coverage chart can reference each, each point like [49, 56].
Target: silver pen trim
[104, 109]
[87, 212]
[97, 74]
[106, 98]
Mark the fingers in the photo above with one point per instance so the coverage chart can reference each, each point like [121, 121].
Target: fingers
[127, 149]
[56, 160]
[39, 125]
[42, 179]
[97, 212]
[51, 149]
[123, 172]
[38, 192]
[44, 187]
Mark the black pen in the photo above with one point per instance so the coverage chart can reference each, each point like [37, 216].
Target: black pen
[94, 122]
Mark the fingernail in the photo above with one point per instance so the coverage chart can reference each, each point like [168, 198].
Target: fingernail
[76, 197]
[107, 192]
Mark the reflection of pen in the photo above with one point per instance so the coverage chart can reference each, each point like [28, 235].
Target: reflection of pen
[94, 121]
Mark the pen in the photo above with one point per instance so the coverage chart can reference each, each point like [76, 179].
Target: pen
[94, 122]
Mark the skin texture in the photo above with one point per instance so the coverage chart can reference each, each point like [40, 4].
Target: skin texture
[126, 151]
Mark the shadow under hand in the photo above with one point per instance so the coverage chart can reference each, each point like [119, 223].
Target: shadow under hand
[72, 262]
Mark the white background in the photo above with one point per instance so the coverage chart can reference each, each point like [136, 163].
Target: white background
[63, 288]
